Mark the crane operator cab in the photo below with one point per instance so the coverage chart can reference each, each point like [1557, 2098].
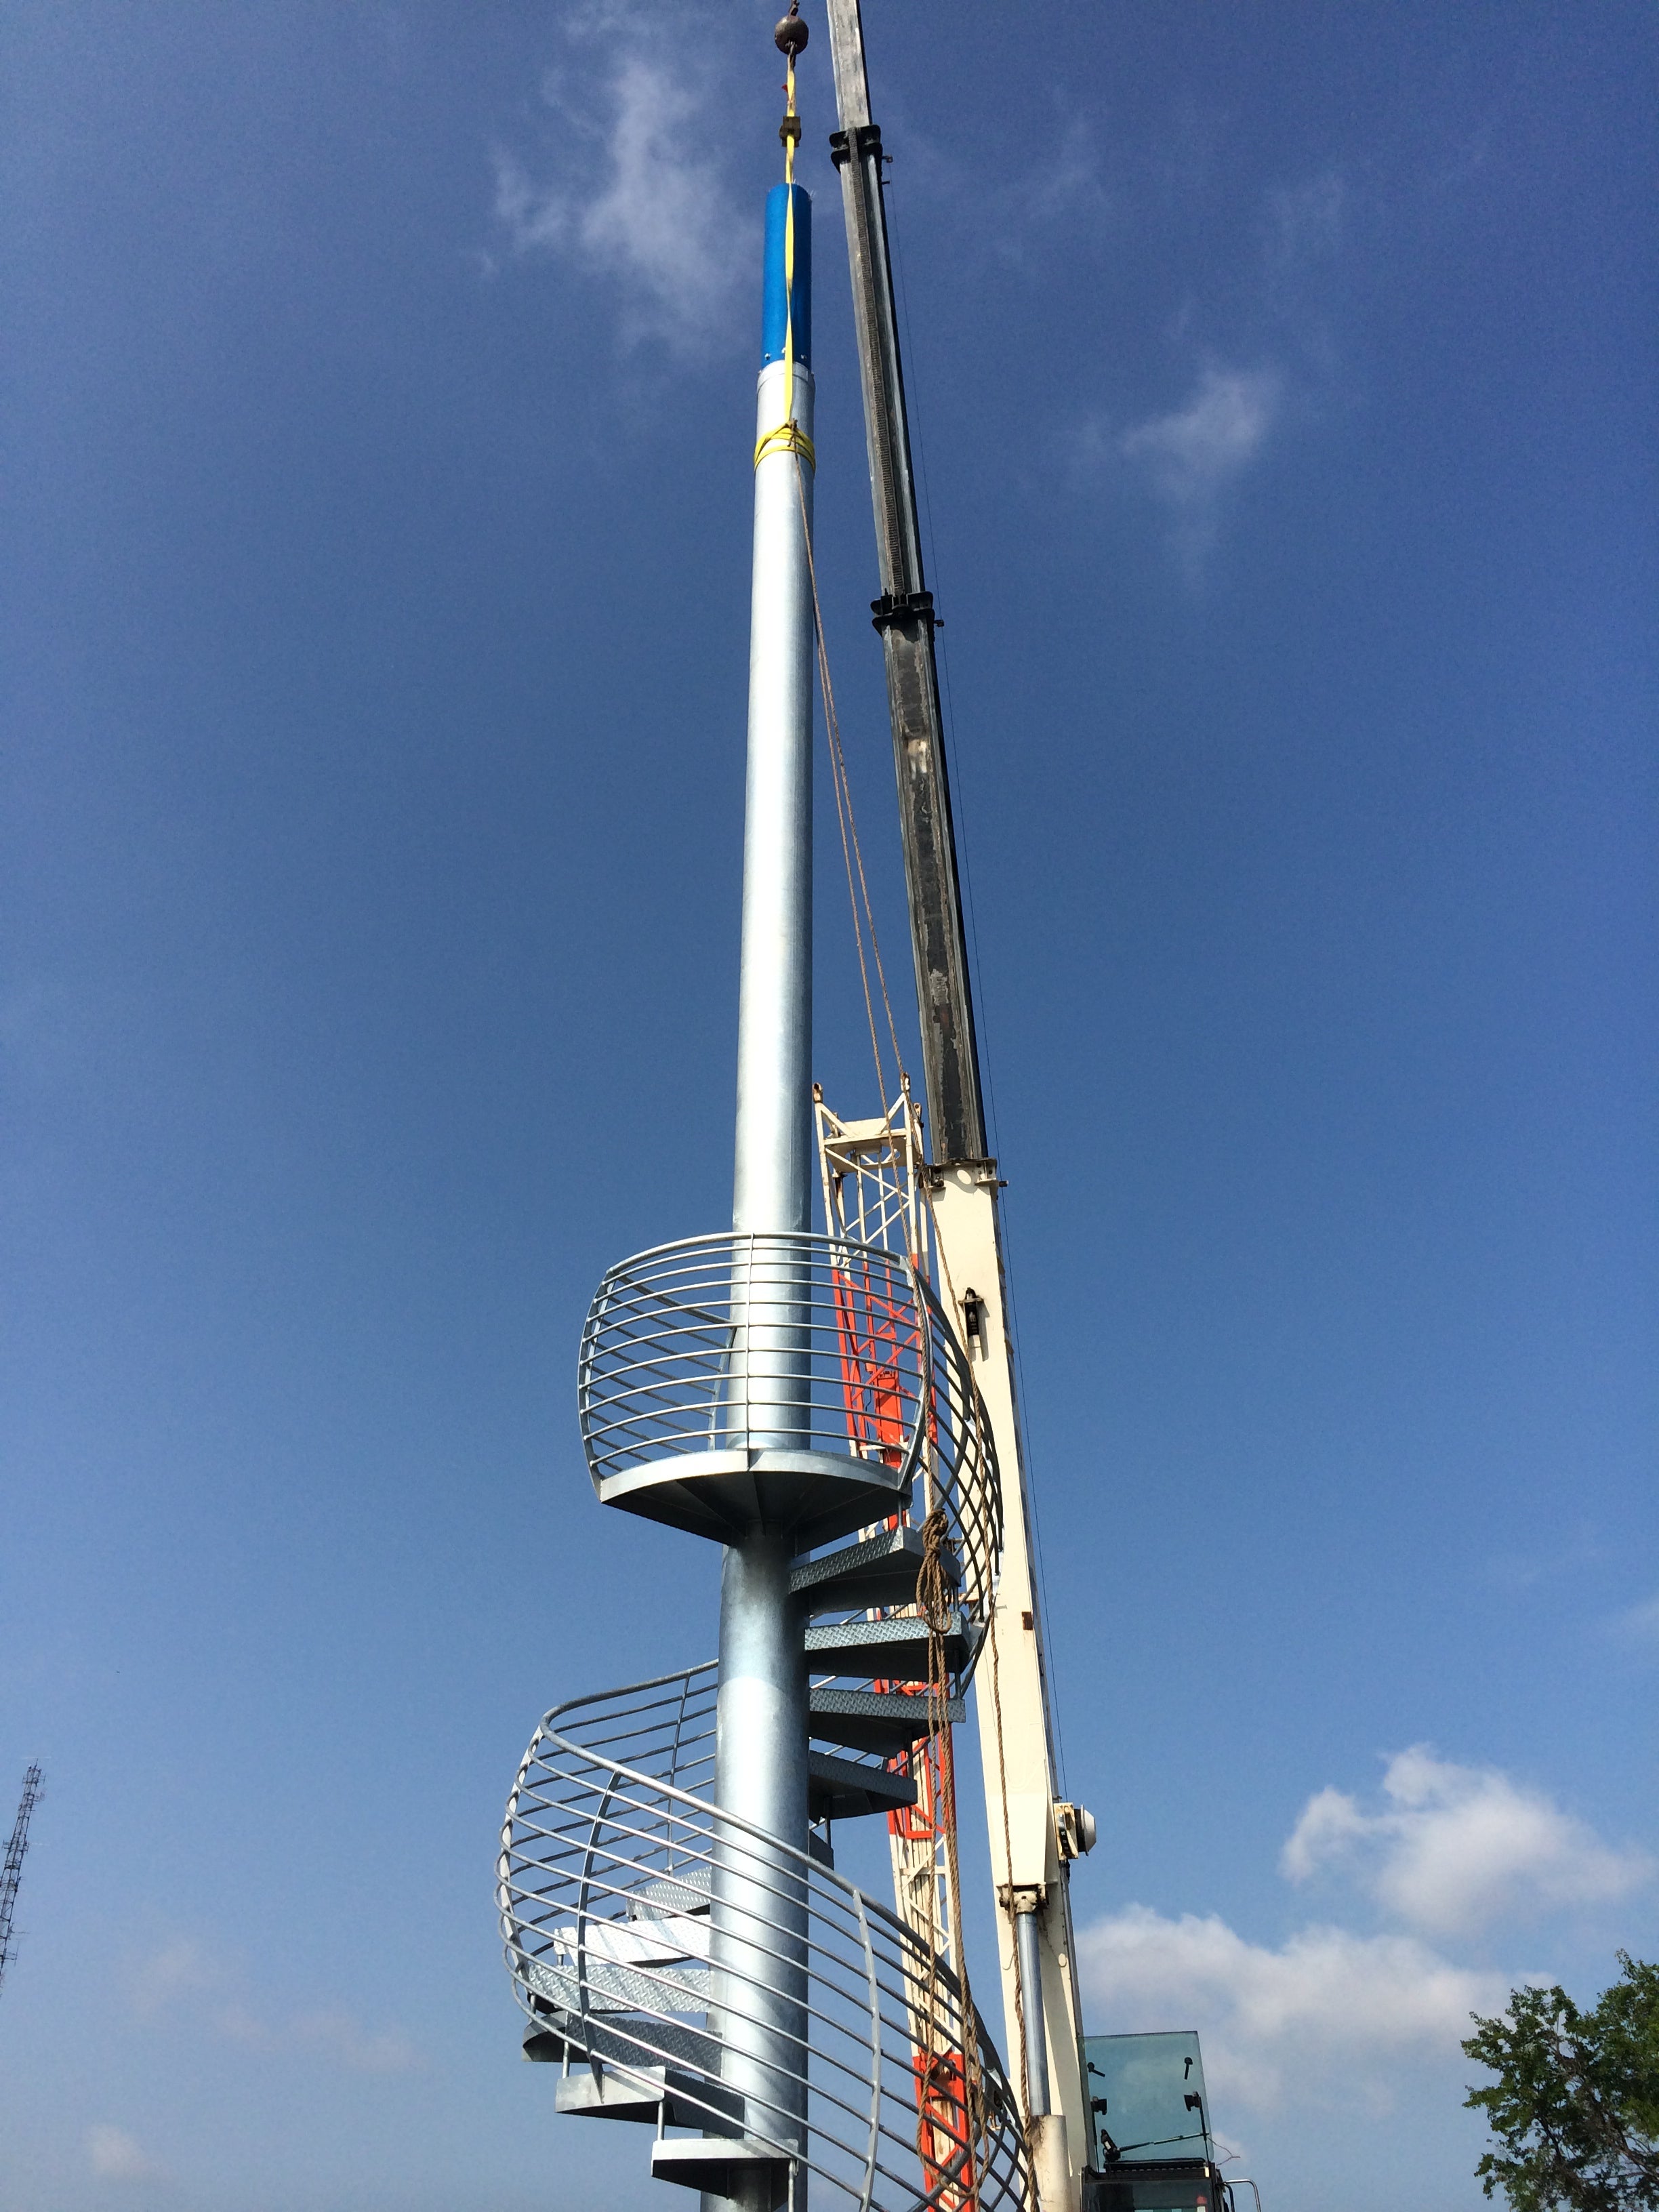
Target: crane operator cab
[1149, 2127]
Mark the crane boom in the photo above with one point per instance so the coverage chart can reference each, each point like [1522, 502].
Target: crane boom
[1033, 1836]
[904, 616]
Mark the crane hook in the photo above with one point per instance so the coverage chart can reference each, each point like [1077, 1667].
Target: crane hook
[791, 36]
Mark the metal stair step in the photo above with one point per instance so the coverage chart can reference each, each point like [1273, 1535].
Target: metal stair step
[721, 2167]
[883, 1722]
[672, 1896]
[621, 1989]
[618, 2041]
[879, 1569]
[642, 2093]
[895, 1649]
[847, 1790]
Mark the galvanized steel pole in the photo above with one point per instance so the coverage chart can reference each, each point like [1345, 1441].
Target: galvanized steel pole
[761, 1772]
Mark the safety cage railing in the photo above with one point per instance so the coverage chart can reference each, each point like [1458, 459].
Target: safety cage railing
[769, 1343]
[631, 1965]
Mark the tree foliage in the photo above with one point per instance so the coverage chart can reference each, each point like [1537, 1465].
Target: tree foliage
[1575, 2108]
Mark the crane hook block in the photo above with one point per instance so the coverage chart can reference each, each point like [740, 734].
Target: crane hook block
[790, 35]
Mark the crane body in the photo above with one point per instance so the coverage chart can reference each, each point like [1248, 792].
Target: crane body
[1033, 1833]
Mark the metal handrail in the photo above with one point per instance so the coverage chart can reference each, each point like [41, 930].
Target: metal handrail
[843, 1345]
[598, 1858]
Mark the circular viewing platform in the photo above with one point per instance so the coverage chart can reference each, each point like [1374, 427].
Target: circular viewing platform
[800, 1381]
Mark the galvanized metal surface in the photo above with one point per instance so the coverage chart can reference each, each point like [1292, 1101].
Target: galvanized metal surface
[607, 1855]
[700, 1358]
[1037, 2041]
[773, 1180]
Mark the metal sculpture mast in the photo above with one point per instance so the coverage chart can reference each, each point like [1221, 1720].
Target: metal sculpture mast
[12, 1873]
[1033, 1834]
[677, 1933]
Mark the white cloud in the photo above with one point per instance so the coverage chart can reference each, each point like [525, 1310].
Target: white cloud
[1638, 1626]
[115, 2155]
[1329, 2018]
[1192, 455]
[186, 1974]
[1346, 2020]
[179, 1969]
[1459, 1847]
[636, 197]
[365, 2051]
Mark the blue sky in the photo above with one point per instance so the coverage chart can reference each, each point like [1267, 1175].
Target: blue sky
[379, 394]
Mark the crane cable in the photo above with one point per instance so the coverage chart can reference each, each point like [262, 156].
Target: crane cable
[857, 887]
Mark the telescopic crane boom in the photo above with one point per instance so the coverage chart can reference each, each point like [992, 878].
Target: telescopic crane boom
[1033, 1836]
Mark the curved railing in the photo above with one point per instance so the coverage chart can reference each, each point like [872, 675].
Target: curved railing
[612, 1902]
[799, 1352]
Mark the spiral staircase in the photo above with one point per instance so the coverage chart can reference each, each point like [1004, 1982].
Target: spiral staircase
[815, 1384]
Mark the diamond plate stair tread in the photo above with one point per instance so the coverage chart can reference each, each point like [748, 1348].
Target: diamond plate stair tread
[873, 1720]
[894, 1649]
[621, 1989]
[847, 1790]
[879, 1569]
[644, 2043]
[670, 1896]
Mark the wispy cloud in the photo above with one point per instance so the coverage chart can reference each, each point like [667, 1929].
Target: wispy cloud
[364, 2050]
[183, 1976]
[181, 1968]
[1191, 458]
[629, 193]
[1638, 1626]
[1455, 1848]
[1250, 351]
[1303, 226]
[1328, 2016]
[1194, 453]
[115, 2155]
[1017, 212]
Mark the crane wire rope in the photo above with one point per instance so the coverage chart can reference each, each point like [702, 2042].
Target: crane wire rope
[858, 886]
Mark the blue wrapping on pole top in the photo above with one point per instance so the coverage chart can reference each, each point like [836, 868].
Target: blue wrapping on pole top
[785, 309]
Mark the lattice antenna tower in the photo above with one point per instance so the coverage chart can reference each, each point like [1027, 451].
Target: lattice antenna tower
[13, 1873]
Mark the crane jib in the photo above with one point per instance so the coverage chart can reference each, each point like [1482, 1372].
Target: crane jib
[904, 615]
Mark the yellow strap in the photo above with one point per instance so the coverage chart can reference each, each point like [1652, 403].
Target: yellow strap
[788, 437]
[789, 264]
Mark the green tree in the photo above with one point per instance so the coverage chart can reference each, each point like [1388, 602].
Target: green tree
[1575, 2108]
